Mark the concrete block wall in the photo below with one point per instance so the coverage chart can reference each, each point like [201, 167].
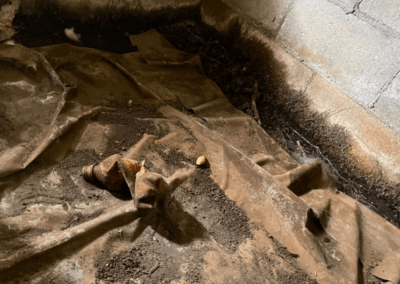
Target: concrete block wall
[352, 44]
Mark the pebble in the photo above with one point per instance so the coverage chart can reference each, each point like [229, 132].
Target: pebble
[201, 160]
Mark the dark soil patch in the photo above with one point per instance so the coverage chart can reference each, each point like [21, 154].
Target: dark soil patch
[62, 174]
[151, 261]
[79, 159]
[103, 29]
[73, 164]
[128, 125]
[222, 218]
[7, 128]
[174, 159]
[230, 225]
[136, 110]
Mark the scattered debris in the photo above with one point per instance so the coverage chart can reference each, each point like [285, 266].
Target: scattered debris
[154, 268]
[254, 98]
[70, 33]
[325, 159]
[10, 42]
[120, 144]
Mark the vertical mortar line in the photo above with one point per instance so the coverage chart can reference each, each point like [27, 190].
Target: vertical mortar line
[275, 33]
[384, 88]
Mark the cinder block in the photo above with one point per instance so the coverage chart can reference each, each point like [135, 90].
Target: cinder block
[374, 145]
[269, 13]
[346, 51]
[387, 108]
[386, 12]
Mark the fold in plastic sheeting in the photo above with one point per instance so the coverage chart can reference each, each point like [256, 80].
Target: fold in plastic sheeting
[46, 91]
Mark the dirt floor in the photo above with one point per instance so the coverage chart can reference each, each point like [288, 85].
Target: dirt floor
[235, 66]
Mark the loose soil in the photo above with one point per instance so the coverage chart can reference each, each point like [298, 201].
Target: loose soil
[128, 125]
[231, 226]
[150, 261]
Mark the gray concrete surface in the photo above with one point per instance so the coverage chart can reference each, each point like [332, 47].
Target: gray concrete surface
[346, 51]
[353, 44]
[384, 12]
[387, 107]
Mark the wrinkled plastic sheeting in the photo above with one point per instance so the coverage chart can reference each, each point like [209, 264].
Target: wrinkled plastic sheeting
[35, 107]
[299, 205]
